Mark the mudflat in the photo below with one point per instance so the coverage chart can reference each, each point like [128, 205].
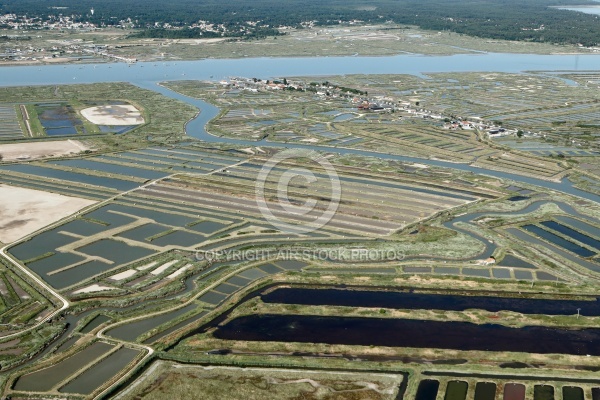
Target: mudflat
[29, 210]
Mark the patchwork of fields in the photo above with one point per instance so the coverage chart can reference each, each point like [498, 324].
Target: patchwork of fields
[421, 279]
[309, 119]
[212, 206]
[9, 123]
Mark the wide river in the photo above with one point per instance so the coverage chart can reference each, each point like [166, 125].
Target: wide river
[286, 67]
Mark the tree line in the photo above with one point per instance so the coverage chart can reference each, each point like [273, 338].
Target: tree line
[531, 20]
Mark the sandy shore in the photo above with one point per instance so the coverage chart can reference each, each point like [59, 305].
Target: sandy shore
[24, 211]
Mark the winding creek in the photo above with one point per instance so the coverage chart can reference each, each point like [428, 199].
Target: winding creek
[490, 247]
[197, 129]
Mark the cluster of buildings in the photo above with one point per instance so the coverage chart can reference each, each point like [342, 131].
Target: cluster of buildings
[476, 123]
[102, 50]
[21, 51]
[255, 85]
[17, 47]
[233, 29]
[373, 106]
[370, 104]
[206, 26]
[55, 22]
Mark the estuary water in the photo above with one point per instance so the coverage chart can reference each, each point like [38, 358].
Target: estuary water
[594, 10]
[217, 69]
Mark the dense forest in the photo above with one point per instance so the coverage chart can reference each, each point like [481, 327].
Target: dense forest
[532, 20]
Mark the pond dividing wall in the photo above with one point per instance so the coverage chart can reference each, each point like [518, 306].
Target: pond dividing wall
[359, 297]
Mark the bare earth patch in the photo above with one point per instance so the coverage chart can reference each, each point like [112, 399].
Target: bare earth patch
[34, 150]
[200, 41]
[123, 275]
[93, 288]
[175, 381]
[24, 211]
[114, 115]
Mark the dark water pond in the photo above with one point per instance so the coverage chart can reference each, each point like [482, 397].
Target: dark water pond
[158, 216]
[572, 233]
[410, 333]
[543, 392]
[427, 390]
[91, 379]
[54, 262]
[485, 391]
[114, 250]
[518, 198]
[559, 241]
[572, 393]
[512, 261]
[82, 227]
[94, 323]
[77, 274]
[61, 131]
[514, 391]
[456, 390]
[41, 244]
[45, 379]
[577, 224]
[58, 119]
[143, 232]
[132, 330]
[111, 168]
[179, 238]
[36, 170]
[207, 227]
[427, 301]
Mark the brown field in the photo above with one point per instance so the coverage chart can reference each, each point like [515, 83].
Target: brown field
[45, 149]
[167, 380]
[29, 210]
